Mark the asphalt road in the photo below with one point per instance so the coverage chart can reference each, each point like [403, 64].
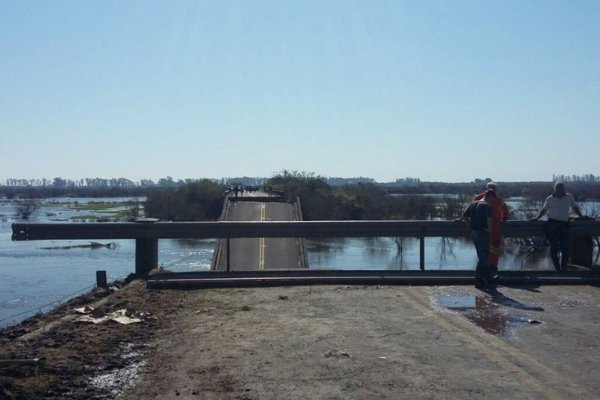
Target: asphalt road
[251, 254]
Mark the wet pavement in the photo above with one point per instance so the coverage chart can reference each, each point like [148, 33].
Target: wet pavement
[495, 313]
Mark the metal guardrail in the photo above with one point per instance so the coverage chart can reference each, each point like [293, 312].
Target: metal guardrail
[217, 279]
[147, 232]
[238, 229]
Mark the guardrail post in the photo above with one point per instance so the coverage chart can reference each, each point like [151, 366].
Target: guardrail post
[146, 255]
[146, 251]
[582, 250]
[228, 254]
[422, 253]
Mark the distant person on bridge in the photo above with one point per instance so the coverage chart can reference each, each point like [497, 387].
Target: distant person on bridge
[499, 215]
[557, 206]
[479, 217]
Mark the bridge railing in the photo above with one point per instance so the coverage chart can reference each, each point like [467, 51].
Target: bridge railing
[147, 232]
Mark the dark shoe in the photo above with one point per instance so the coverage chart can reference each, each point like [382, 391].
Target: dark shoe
[487, 289]
[485, 286]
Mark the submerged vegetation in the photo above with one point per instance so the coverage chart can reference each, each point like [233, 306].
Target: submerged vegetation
[196, 201]
[26, 207]
[361, 201]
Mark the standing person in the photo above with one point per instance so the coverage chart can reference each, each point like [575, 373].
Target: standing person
[557, 207]
[479, 217]
[499, 215]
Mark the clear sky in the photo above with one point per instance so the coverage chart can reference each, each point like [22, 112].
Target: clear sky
[440, 90]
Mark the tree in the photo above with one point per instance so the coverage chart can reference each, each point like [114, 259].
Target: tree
[26, 207]
[196, 201]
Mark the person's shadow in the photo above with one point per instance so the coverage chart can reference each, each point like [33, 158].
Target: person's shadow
[506, 301]
[529, 287]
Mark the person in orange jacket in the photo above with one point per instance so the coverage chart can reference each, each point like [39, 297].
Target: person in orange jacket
[499, 214]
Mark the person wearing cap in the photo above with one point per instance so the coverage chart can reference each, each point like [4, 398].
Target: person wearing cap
[499, 215]
[479, 218]
[557, 207]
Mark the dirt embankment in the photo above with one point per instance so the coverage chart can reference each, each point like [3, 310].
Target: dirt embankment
[55, 356]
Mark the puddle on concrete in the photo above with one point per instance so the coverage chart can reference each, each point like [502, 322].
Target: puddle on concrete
[458, 301]
[485, 313]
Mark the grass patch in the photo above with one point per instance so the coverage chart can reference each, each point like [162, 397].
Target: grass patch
[98, 206]
[53, 204]
[84, 217]
[91, 206]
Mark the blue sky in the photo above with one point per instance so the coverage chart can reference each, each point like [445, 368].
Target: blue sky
[440, 90]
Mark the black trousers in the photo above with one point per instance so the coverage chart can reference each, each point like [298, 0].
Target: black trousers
[483, 273]
[558, 236]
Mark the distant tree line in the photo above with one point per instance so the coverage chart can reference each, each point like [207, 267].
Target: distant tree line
[243, 180]
[87, 187]
[576, 178]
[332, 180]
[162, 182]
[408, 181]
[59, 182]
[336, 181]
[583, 190]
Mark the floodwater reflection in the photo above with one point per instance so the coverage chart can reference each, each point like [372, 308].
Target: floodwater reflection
[401, 253]
[487, 312]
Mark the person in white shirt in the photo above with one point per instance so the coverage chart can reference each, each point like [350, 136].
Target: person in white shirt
[558, 207]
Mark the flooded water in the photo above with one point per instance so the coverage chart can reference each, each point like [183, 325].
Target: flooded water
[35, 276]
[385, 253]
[496, 313]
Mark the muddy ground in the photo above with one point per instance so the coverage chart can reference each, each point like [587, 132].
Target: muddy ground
[58, 355]
[320, 342]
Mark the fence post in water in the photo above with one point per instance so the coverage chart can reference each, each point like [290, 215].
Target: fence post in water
[146, 251]
[101, 281]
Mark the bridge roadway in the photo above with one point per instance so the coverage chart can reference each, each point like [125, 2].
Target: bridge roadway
[252, 254]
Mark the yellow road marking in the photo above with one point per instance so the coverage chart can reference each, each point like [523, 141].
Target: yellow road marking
[490, 347]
